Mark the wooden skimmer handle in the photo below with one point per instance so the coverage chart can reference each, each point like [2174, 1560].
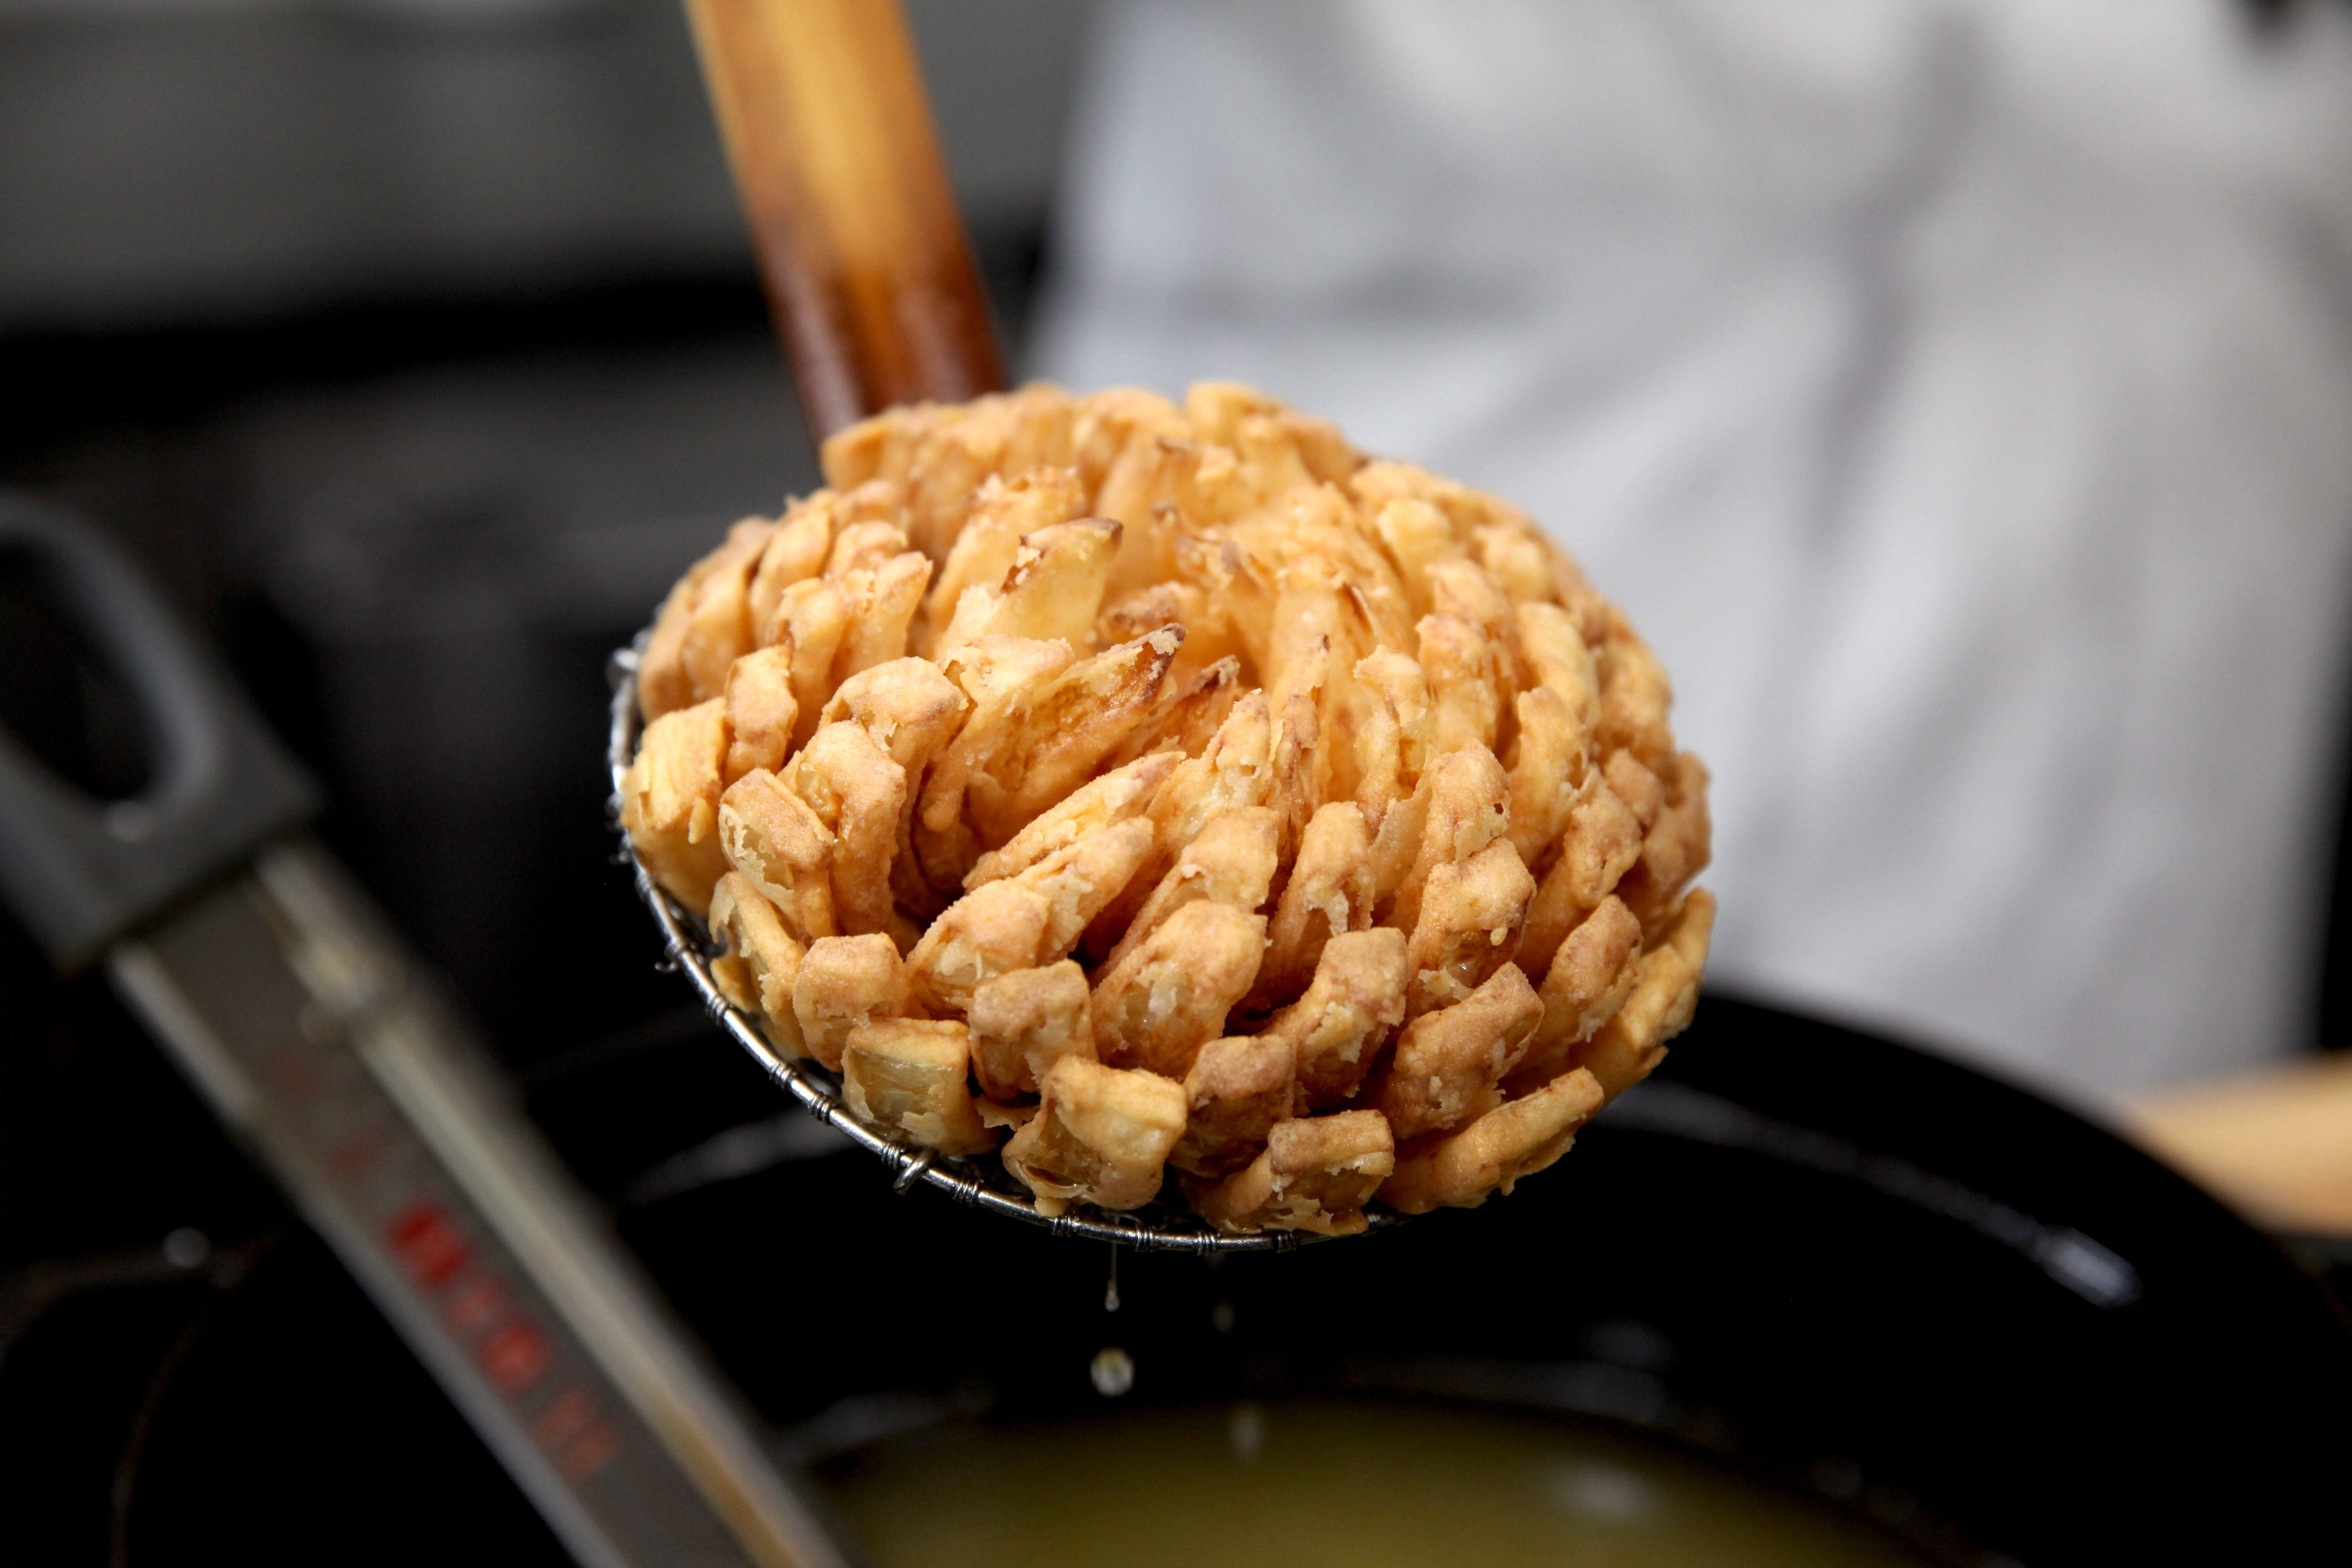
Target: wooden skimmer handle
[862, 254]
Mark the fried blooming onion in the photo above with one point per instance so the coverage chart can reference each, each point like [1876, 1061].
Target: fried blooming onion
[1177, 787]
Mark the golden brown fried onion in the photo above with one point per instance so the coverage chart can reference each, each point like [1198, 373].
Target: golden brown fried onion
[1171, 784]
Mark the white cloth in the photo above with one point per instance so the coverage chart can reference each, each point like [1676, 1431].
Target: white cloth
[1956, 393]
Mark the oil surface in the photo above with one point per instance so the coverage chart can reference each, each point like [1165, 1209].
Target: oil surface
[1302, 1483]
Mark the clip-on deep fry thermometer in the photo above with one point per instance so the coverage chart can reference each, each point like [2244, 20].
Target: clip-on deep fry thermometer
[284, 995]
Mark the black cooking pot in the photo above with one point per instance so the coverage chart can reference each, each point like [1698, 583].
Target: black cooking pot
[1934, 1299]
[1878, 1274]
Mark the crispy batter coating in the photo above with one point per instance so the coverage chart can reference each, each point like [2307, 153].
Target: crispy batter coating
[846, 981]
[1024, 921]
[1449, 1065]
[1296, 784]
[1675, 850]
[1458, 1170]
[1518, 560]
[1194, 704]
[1077, 882]
[1025, 1022]
[1643, 793]
[1559, 660]
[907, 705]
[1001, 512]
[1398, 749]
[811, 618]
[1547, 764]
[1116, 797]
[942, 455]
[1635, 695]
[862, 546]
[1623, 1050]
[1052, 740]
[1589, 980]
[909, 1074]
[1464, 692]
[1329, 894]
[1152, 474]
[912, 711]
[1417, 537]
[1471, 913]
[1603, 841]
[781, 847]
[670, 800]
[859, 794]
[1463, 589]
[762, 711]
[1053, 588]
[1235, 769]
[759, 961]
[1223, 790]
[884, 600]
[1168, 996]
[1238, 1088]
[1316, 623]
[1230, 861]
[1101, 1135]
[794, 553]
[1466, 807]
[994, 673]
[1316, 1175]
[1340, 1024]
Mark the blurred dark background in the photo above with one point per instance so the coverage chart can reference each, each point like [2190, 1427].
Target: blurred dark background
[415, 345]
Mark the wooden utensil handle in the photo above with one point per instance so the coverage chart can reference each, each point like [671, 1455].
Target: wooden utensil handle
[860, 247]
